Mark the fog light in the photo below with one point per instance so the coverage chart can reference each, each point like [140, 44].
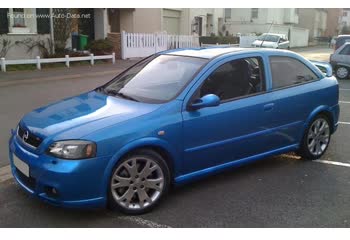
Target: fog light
[51, 192]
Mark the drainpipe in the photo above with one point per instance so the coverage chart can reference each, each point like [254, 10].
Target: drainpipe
[51, 31]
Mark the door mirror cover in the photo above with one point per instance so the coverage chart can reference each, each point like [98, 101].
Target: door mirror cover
[209, 100]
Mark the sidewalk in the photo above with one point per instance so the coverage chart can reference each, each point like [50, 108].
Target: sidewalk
[18, 77]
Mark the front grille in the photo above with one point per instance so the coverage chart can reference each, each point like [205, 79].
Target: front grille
[29, 182]
[28, 137]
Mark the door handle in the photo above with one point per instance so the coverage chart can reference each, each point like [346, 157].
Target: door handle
[269, 107]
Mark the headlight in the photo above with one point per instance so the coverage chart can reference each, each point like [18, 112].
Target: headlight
[72, 149]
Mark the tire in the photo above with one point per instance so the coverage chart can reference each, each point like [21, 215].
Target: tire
[341, 72]
[316, 138]
[138, 182]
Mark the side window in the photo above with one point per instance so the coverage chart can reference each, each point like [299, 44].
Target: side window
[235, 79]
[288, 71]
[345, 50]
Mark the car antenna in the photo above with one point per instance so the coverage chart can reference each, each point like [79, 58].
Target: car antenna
[262, 42]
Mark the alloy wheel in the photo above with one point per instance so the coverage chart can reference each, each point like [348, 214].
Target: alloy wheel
[318, 136]
[137, 183]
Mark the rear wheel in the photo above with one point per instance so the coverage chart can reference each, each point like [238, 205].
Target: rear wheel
[316, 138]
[342, 72]
[138, 182]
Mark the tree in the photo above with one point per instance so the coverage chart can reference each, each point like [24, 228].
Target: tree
[62, 26]
[5, 46]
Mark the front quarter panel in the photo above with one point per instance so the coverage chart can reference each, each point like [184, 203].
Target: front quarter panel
[118, 140]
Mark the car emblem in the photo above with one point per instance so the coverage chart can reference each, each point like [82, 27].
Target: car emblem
[25, 136]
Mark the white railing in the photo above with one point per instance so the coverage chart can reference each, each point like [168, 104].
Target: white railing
[145, 44]
[219, 45]
[38, 61]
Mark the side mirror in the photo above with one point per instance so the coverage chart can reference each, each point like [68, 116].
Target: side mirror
[209, 100]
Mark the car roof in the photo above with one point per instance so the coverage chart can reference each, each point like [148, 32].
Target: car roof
[212, 52]
[275, 34]
[343, 36]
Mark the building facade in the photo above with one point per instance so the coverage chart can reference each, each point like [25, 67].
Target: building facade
[259, 20]
[332, 28]
[344, 19]
[314, 19]
[20, 29]
[179, 21]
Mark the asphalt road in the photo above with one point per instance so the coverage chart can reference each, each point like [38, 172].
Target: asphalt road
[281, 191]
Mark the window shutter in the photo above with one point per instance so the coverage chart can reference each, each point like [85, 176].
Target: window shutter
[43, 20]
[4, 24]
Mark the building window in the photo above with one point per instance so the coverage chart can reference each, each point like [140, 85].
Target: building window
[43, 21]
[4, 25]
[227, 12]
[18, 17]
[255, 12]
[345, 14]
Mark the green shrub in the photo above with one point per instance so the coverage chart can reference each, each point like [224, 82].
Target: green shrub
[100, 47]
[219, 40]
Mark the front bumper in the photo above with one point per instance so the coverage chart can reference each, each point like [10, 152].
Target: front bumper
[77, 183]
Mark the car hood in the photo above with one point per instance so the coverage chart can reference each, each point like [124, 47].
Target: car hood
[89, 111]
[264, 44]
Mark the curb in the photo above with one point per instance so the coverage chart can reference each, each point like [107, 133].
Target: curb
[8, 83]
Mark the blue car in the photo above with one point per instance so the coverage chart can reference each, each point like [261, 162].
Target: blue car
[172, 118]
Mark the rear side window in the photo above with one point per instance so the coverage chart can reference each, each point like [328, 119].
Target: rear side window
[288, 71]
[345, 50]
[341, 40]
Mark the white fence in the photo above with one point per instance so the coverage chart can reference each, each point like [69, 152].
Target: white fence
[38, 61]
[145, 44]
[246, 41]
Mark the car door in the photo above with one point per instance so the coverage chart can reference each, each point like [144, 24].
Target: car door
[235, 129]
[344, 55]
[295, 94]
[283, 43]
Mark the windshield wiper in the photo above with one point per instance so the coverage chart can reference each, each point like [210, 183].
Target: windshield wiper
[100, 89]
[122, 95]
[118, 94]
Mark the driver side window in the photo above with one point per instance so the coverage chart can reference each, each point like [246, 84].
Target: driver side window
[234, 79]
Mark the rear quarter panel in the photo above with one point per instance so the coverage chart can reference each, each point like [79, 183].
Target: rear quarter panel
[301, 103]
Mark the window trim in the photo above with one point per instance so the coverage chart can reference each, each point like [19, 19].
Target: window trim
[265, 91]
[152, 57]
[294, 85]
[345, 48]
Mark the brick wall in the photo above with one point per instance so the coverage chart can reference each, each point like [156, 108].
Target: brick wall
[115, 38]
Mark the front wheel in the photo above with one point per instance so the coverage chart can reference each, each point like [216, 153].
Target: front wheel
[342, 72]
[316, 138]
[138, 182]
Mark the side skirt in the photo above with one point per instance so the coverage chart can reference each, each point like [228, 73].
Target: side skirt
[236, 163]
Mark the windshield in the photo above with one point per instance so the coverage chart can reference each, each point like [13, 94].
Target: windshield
[156, 79]
[269, 38]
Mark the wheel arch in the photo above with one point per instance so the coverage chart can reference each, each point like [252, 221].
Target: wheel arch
[160, 146]
[342, 65]
[325, 110]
